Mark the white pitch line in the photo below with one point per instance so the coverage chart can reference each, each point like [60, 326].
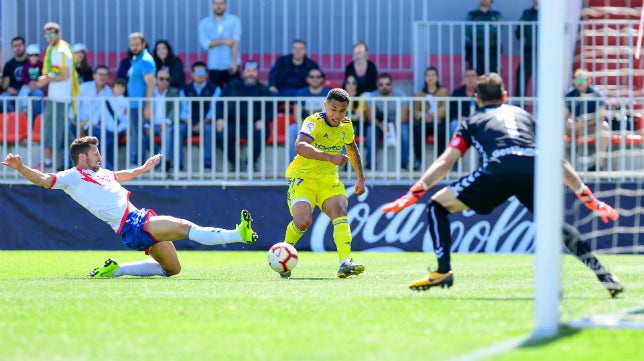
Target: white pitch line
[492, 350]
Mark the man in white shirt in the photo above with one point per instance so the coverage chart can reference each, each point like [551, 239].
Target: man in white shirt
[100, 192]
[96, 117]
[165, 109]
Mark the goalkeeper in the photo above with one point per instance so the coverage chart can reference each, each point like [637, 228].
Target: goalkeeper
[504, 135]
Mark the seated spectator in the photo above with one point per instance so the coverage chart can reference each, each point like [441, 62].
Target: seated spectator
[11, 74]
[459, 110]
[288, 75]
[164, 57]
[430, 115]
[163, 115]
[96, 113]
[586, 115]
[357, 107]
[239, 111]
[197, 114]
[83, 67]
[30, 73]
[384, 114]
[317, 92]
[365, 71]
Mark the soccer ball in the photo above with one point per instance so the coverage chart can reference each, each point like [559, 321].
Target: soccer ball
[282, 257]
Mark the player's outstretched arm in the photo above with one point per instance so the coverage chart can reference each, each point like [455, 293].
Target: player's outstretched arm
[436, 171]
[574, 182]
[33, 175]
[129, 174]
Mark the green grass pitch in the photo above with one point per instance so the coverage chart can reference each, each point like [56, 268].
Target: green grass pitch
[232, 306]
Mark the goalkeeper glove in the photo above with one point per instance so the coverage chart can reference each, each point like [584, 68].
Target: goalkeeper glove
[604, 210]
[416, 191]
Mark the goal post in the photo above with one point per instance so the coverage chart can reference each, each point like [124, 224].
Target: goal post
[549, 172]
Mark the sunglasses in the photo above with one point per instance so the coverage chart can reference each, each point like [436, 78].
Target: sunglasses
[581, 80]
[351, 83]
[315, 76]
[50, 35]
[200, 72]
[164, 79]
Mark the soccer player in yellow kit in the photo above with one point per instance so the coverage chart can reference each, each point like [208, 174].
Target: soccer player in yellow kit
[314, 181]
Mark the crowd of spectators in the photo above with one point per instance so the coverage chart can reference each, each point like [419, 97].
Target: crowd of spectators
[152, 79]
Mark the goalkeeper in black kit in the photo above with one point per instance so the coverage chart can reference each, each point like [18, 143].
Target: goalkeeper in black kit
[504, 136]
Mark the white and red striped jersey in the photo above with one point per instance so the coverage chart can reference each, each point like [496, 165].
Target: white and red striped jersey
[98, 192]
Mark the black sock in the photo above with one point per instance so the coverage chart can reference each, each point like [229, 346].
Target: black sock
[439, 230]
[573, 242]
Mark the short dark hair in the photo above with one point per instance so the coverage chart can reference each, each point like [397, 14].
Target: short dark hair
[489, 87]
[101, 66]
[120, 82]
[317, 69]
[298, 41]
[384, 76]
[81, 146]
[198, 63]
[338, 94]
[18, 38]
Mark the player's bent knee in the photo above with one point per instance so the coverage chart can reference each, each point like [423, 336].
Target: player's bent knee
[303, 224]
[172, 270]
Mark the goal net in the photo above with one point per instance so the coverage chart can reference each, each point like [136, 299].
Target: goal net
[564, 287]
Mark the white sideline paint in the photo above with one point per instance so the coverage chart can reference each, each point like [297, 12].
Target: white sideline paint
[492, 350]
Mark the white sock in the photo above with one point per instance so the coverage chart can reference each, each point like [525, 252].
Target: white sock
[146, 267]
[211, 236]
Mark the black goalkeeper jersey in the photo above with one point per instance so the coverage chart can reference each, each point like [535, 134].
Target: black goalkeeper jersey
[496, 131]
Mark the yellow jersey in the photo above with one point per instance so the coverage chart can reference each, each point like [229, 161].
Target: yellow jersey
[326, 138]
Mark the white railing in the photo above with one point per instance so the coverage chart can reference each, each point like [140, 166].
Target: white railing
[390, 161]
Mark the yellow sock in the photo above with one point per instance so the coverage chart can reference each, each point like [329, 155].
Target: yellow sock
[293, 234]
[342, 236]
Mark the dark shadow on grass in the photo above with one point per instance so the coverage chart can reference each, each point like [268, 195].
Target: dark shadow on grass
[311, 279]
[563, 333]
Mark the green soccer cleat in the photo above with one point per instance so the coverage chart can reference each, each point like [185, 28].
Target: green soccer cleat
[433, 279]
[348, 268]
[245, 228]
[613, 285]
[106, 271]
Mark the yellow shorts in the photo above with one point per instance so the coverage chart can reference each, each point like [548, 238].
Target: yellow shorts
[313, 191]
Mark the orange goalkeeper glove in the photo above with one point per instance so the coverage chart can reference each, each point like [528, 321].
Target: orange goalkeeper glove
[604, 210]
[416, 191]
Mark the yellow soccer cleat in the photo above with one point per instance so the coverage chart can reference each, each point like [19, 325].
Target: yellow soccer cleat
[348, 268]
[613, 285]
[433, 279]
[106, 271]
[245, 228]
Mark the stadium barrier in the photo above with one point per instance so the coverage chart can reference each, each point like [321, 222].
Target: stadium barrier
[22, 132]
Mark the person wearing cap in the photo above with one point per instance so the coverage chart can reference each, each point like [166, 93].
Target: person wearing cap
[83, 67]
[60, 77]
[29, 76]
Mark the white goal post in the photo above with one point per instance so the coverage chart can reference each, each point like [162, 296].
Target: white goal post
[548, 213]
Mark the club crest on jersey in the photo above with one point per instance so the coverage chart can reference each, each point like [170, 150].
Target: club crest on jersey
[310, 127]
[326, 135]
